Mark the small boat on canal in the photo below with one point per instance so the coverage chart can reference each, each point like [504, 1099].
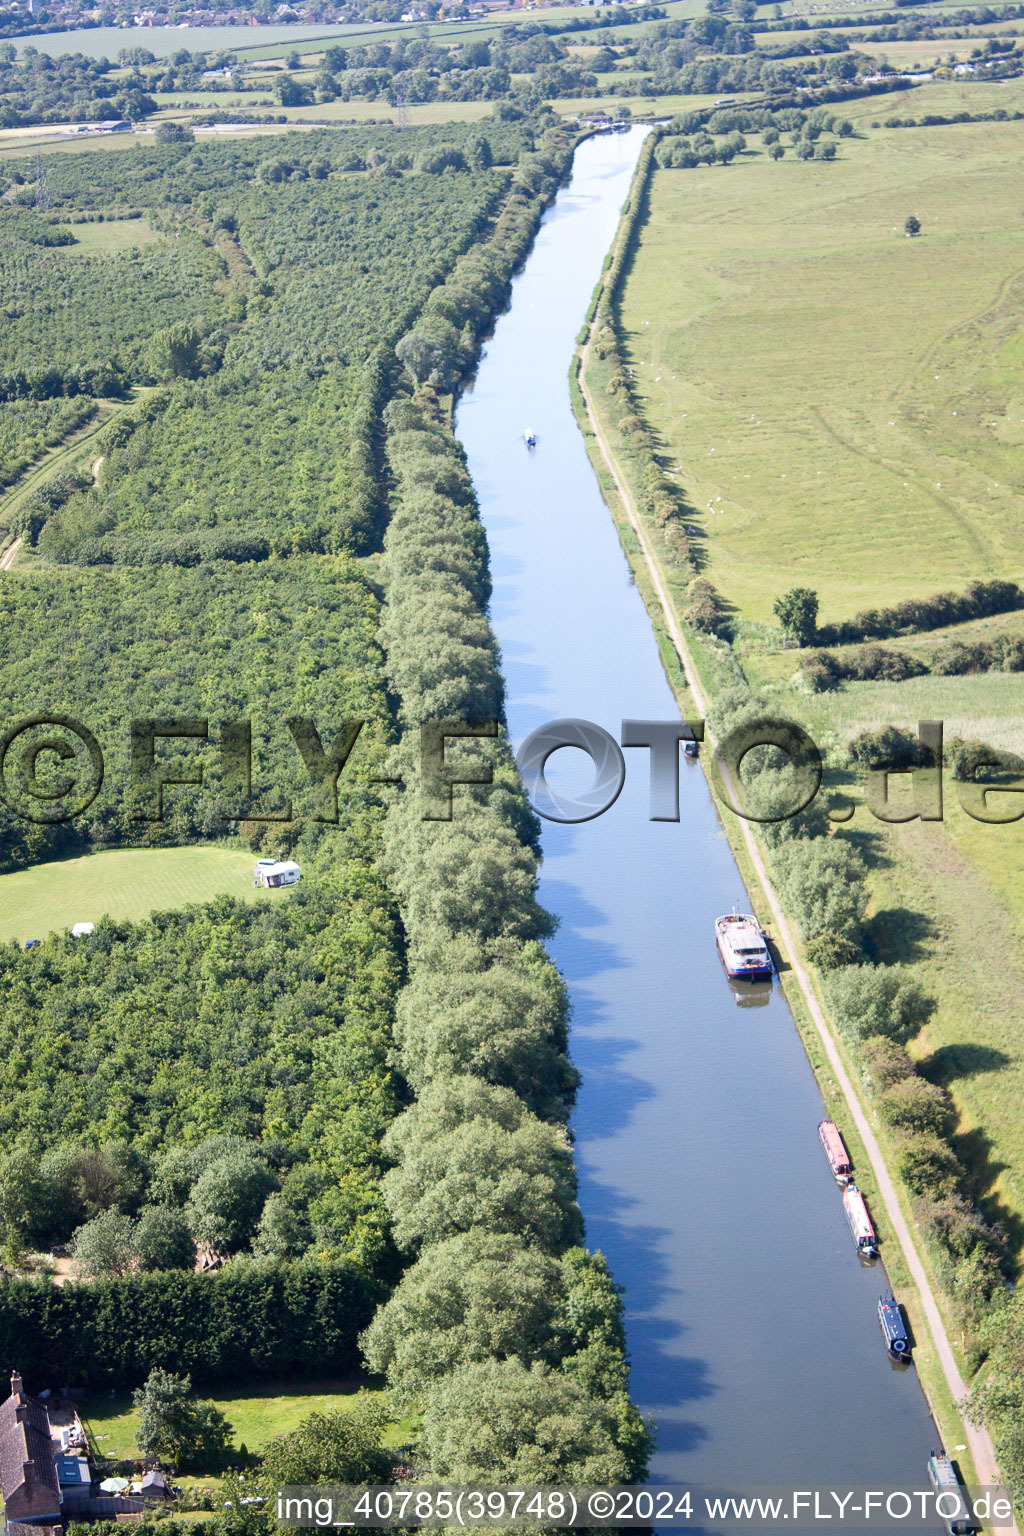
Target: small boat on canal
[529, 437]
[860, 1223]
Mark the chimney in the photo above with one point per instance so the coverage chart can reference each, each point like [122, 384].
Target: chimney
[29, 1470]
[16, 1384]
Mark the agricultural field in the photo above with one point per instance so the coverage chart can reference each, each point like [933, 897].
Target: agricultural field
[789, 423]
[121, 883]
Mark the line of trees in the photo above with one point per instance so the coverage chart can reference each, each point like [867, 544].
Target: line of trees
[300, 1319]
[503, 1325]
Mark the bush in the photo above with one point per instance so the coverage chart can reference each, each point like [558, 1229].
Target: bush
[878, 1000]
[915, 1105]
[823, 885]
[891, 747]
[927, 1164]
[831, 950]
[704, 608]
[886, 1062]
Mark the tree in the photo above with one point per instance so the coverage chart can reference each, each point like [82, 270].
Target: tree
[227, 1200]
[475, 1296]
[334, 1447]
[25, 1201]
[186, 1432]
[174, 352]
[104, 1246]
[878, 1000]
[776, 151]
[283, 1232]
[823, 881]
[163, 1240]
[917, 1105]
[290, 93]
[797, 612]
[804, 149]
[472, 1156]
[174, 133]
[502, 1421]
[913, 225]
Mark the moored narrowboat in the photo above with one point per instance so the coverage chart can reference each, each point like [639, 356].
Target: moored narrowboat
[894, 1332]
[834, 1148]
[951, 1505]
[860, 1223]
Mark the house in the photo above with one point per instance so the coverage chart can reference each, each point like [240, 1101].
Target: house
[28, 1472]
[75, 1481]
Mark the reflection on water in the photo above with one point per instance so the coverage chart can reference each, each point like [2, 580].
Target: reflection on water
[753, 1332]
[751, 994]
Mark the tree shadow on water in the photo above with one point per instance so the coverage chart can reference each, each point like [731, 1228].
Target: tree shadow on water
[663, 1378]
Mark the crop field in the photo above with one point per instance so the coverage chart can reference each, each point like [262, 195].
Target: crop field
[121, 883]
[870, 461]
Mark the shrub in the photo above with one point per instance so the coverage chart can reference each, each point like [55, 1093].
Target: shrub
[878, 1000]
[831, 950]
[917, 1106]
[823, 883]
[927, 1164]
[886, 1062]
[704, 608]
[891, 747]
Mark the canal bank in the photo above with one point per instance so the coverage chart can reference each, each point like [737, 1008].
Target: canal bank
[695, 676]
[752, 1326]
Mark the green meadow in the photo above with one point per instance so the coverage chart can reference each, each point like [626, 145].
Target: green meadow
[121, 883]
[844, 405]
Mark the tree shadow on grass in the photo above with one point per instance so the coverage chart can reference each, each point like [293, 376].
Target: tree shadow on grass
[898, 936]
[974, 1149]
[952, 1063]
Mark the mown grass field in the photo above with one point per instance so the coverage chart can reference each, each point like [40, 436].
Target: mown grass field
[256, 1413]
[122, 883]
[844, 407]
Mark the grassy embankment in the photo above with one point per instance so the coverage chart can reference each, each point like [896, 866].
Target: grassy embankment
[792, 427]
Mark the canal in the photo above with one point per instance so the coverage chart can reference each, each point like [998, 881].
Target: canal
[752, 1325]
